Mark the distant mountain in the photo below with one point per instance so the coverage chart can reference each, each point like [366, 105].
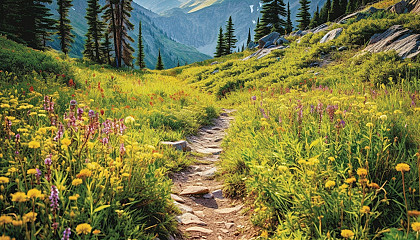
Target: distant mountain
[160, 6]
[154, 38]
[196, 22]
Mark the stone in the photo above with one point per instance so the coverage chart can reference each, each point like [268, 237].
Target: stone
[403, 41]
[229, 225]
[320, 28]
[314, 64]
[209, 174]
[281, 41]
[183, 208]
[214, 151]
[177, 198]
[179, 145]
[218, 139]
[268, 40]
[224, 230]
[215, 71]
[214, 63]
[218, 194]
[199, 214]
[399, 7]
[208, 196]
[189, 218]
[194, 190]
[199, 229]
[342, 48]
[228, 210]
[333, 34]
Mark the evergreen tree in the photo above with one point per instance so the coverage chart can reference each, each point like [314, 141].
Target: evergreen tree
[270, 20]
[289, 24]
[117, 15]
[334, 12]
[220, 48]
[178, 64]
[159, 64]
[88, 52]
[315, 20]
[106, 49]
[95, 30]
[230, 39]
[304, 17]
[343, 5]
[249, 37]
[257, 27]
[140, 57]
[64, 28]
[323, 15]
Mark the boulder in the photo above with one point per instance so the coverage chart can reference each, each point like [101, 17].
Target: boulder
[320, 28]
[403, 41]
[399, 7]
[252, 45]
[360, 15]
[281, 41]
[331, 35]
[193, 190]
[215, 71]
[268, 40]
[180, 145]
[214, 63]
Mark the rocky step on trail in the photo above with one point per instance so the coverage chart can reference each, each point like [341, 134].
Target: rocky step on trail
[206, 213]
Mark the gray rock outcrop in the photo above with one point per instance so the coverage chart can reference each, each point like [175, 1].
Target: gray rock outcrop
[268, 40]
[399, 7]
[333, 34]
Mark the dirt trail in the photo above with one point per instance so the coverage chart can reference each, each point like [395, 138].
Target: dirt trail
[206, 214]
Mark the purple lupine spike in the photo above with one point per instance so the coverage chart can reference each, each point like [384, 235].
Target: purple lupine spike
[54, 198]
[66, 234]
[79, 113]
[91, 113]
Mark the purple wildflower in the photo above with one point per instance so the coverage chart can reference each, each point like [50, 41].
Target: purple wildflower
[122, 149]
[73, 102]
[254, 98]
[91, 113]
[66, 234]
[60, 132]
[312, 108]
[105, 141]
[17, 137]
[48, 161]
[79, 113]
[54, 198]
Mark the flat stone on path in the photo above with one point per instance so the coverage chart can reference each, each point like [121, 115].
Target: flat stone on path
[183, 208]
[218, 194]
[177, 198]
[199, 229]
[194, 190]
[209, 174]
[189, 218]
[214, 151]
[179, 145]
[228, 210]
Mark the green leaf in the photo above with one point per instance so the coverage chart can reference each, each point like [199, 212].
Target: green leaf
[101, 208]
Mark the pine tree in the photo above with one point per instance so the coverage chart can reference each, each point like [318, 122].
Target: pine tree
[270, 20]
[64, 28]
[159, 64]
[249, 37]
[95, 29]
[343, 5]
[304, 17]
[106, 49]
[289, 24]
[140, 57]
[323, 15]
[178, 65]
[88, 52]
[335, 11]
[117, 15]
[315, 20]
[220, 48]
[257, 27]
[230, 39]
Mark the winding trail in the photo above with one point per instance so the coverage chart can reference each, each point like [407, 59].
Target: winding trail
[206, 214]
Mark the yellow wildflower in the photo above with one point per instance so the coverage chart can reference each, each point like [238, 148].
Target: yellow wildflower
[413, 213]
[96, 231]
[125, 174]
[350, 180]
[416, 226]
[4, 237]
[313, 161]
[34, 144]
[347, 233]
[34, 193]
[4, 180]
[362, 172]
[84, 173]
[12, 170]
[74, 197]
[66, 142]
[31, 171]
[374, 185]
[402, 167]
[157, 155]
[332, 159]
[283, 168]
[19, 197]
[84, 228]
[329, 184]
[264, 233]
[365, 209]
[129, 120]
[17, 223]
[29, 217]
[76, 182]
[369, 124]
[4, 219]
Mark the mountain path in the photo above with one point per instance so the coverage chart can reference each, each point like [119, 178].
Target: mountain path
[206, 213]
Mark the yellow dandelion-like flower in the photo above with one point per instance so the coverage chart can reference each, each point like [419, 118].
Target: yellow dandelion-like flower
[369, 124]
[4, 180]
[129, 120]
[30, 217]
[125, 175]
[12, 170]
[83, 228]
[283, 168]
[4, 219]
[157, 155]
[31, 171]
[362, 172]
[264, 233]
[374, 185]
[17, 223]
[4, 237]
[350, 180]
[34, 193]
[365, 209]
[329, 184]
[96, 231]
[313, 161]
[332, 159]
[34, 144]
[415, 226]
[402, 167]
[84, 173]
[76, 182]
[345, 233]
[66, 142]
[19, 197]
[413, 213]
[74, 197]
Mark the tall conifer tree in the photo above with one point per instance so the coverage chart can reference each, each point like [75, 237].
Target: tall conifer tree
[95, 29]
[315, 22]
[289, 24]
[140, 57]
[270, 21]
[220, 48]
[249, 37]
[230, 39]
[334, 11]
[159, 64]
[304, 17]
[64, 28]
[106, 49]
[323, 15]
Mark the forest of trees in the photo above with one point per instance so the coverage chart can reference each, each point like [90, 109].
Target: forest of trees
[226, 41]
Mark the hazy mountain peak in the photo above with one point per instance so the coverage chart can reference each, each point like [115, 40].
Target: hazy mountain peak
[195, 5]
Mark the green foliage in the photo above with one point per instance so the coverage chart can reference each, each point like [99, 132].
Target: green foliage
[303, 16]
[229, 38]
[64, 27]
[159, 64]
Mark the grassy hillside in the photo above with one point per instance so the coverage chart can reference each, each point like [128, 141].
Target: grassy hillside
[329, 152]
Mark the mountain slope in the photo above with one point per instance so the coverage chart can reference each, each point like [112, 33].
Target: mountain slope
[160, 6]
[154, 38]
